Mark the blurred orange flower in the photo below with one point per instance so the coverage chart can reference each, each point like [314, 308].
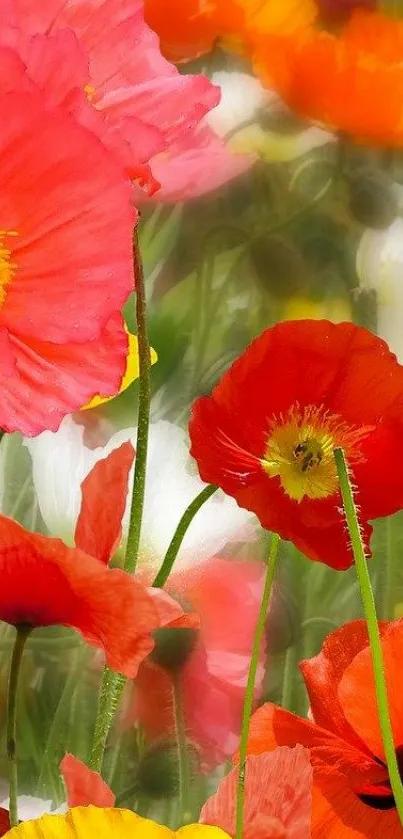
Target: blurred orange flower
[189, 28]
[351, 81]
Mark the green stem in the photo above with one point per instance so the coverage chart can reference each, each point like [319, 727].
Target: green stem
[109, 697]
[183, 762]
[11, 734]
[140, 463]
[248, 702]
[112, 683]
[368, 604]
[180, 533]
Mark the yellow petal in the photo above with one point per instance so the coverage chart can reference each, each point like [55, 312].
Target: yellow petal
[131, 373]
[99, 823]
[91, 823]
[201, 831]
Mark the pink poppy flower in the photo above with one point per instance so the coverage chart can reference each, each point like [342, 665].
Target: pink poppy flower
[226, 595]
[144, 109]
[56, 213]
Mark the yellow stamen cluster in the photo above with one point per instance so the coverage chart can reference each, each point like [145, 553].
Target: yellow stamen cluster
[300, 448]
[7, 266]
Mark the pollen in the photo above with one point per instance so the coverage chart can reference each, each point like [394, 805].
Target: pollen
[89, 91]
[300, 447]
[7, 266]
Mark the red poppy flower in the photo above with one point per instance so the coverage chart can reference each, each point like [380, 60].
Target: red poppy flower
[4, 822]
[226, 596]
[266, 434]
[56, 214]
[44, 582]
[352, 797]
[335, 78]
[277, 797]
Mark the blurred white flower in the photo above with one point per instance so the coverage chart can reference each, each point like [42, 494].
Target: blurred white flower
[61, 461]
[30, 807]
[380, 267]
[243, 100]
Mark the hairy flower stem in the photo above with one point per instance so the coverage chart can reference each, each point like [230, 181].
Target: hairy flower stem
[369, 610]
[112, 683]
[248, 702]
[180, 534]
[140, 463]
[11, 734]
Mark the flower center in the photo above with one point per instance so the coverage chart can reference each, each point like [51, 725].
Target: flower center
[7, 266]
[300, 448]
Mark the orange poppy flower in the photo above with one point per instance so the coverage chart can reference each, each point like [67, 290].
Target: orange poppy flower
[189, 28]
[351, 81]
[352, 797]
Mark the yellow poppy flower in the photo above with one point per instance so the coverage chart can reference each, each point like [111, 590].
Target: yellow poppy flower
[131, 372]
[90, 822]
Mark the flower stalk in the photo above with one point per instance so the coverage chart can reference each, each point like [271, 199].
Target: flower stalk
[180, 534]
[112, 683]
[11, 733]
[368, 603]
[248, 702]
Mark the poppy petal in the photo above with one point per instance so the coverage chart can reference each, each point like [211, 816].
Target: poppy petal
[83, 785]
[4, 821]
[357, 696]
[272, 726]
[132, 371]
[104, 493]
[278, 788]
[324, 672]
[46, 583]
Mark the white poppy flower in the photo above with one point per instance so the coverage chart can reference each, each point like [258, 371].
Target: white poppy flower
[61, 461]
[243, 98]
[30, 807]
[380, 267]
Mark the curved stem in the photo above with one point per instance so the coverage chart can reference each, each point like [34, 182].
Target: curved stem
[248, 702]
[11, 734]
[140, 463]
[180, 533]
[290, 666]
[368, 604]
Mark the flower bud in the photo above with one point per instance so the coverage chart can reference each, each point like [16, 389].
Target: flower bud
[372, 200]
[279, 266]
[173, 646]
[158, 770]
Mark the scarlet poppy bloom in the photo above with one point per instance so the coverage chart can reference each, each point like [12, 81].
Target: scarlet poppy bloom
[352, 797]
[44, 582]
[226, 596]
[277, 797]
[83, 785]
[335, 79]
[56, 214]
[267, 433]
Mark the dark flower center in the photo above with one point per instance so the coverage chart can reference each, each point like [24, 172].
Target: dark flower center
[381, 798]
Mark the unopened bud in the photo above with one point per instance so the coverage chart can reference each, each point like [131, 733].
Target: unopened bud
[173, 646]
[372, 200]
[158, 770]
[279, 266]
